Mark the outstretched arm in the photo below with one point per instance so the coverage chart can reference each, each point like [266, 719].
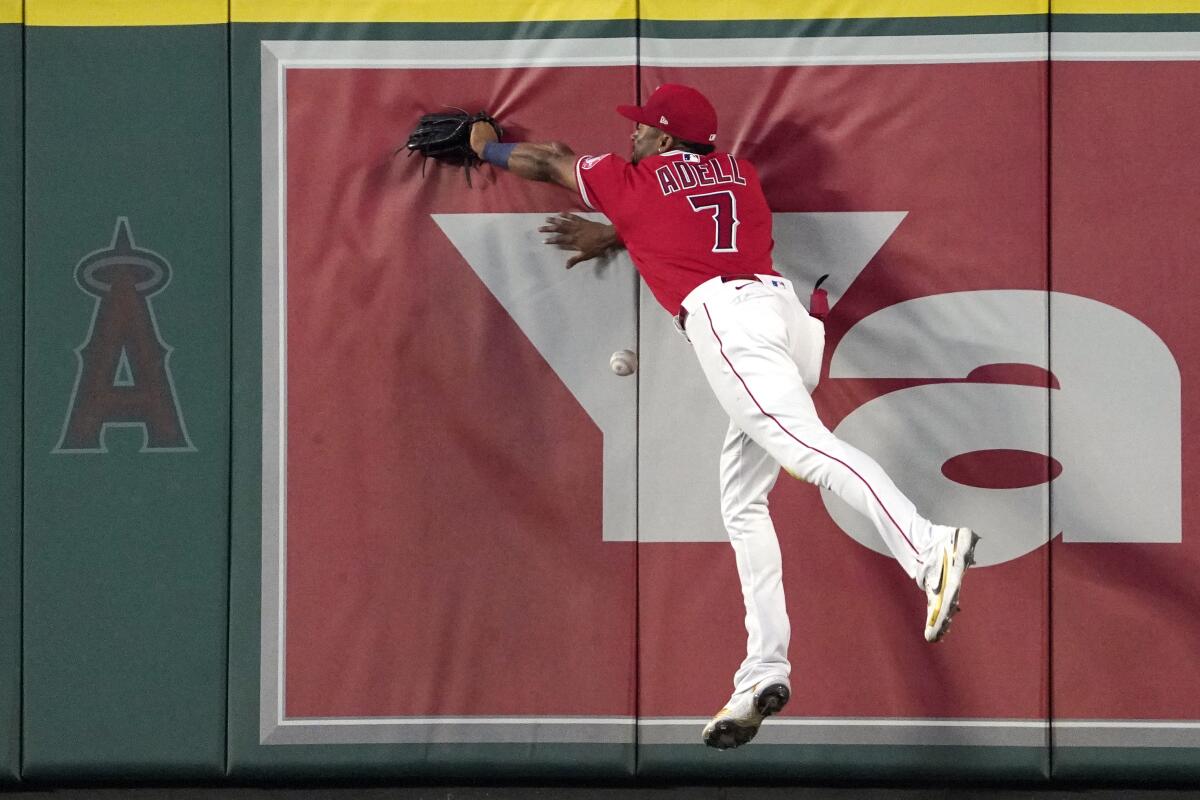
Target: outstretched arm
[552, 162]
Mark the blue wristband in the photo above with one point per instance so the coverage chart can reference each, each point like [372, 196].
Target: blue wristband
[497, 153]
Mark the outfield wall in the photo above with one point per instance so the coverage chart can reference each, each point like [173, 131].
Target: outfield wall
[127, 397]
[11, 287]
[323, 471]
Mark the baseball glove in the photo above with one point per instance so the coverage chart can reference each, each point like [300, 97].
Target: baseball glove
[446, 137]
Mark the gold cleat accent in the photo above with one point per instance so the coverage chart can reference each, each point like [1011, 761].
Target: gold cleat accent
[957, 555]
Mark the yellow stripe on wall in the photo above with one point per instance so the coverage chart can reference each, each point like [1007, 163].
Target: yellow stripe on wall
[1125, 6]
[429, 10]
[833, 9]
[65, 13]
[209, 12]
[10, 11]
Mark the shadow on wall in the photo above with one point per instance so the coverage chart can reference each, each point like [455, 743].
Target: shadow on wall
[808, 157]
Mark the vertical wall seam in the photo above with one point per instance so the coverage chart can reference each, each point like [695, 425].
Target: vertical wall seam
[229, 386]
[20, 765]
[637, 448]
[1049, 391]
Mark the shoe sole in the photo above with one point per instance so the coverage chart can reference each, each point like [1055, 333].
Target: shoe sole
[729, 733]
[772, 699]
[952, 600]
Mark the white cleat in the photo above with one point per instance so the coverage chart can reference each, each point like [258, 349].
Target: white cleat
[736, 723]
[955, 554]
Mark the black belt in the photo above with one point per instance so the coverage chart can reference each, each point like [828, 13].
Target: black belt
[683, 312]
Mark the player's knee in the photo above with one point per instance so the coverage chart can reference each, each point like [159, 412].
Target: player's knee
[808, 469]
[740, 517]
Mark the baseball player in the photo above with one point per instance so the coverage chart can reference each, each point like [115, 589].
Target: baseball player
[698, 228]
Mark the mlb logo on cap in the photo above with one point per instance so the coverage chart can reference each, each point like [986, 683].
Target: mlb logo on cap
[678, 110]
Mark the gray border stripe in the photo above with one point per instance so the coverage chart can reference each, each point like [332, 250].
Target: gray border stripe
[274, 388]
[459, 730]
[865, 731]
[455, 55]
[847, 50]
[782, 731]
[1157, 46]
[1126, 733]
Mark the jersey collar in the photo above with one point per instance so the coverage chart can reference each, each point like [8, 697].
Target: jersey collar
[684, 153]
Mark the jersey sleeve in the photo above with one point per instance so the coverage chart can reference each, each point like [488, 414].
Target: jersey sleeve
[601, 179]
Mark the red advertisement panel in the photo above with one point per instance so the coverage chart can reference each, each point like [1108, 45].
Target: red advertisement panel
[1124, 233]
[444, 549]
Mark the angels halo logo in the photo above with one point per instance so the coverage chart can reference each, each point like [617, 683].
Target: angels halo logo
[124, 377]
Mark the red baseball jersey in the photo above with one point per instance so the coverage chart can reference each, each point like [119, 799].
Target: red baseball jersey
[684, 218]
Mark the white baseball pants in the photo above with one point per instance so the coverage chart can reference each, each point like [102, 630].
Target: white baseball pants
[761, 353]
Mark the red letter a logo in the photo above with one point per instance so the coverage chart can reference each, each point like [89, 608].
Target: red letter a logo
[124, 378]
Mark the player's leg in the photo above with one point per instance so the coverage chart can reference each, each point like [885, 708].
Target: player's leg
[761, 685]
[752, 350]
[951, 552]
[747, 474]
[745, 349]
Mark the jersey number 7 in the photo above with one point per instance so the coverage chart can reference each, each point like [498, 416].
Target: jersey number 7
[724, 214]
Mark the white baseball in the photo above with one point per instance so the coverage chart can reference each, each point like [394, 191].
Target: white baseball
[624, 362]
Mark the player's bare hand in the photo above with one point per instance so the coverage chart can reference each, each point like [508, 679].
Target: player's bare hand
[481, 134]
[589, 239]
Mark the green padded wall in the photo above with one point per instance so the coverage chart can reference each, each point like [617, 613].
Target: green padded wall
[127, 438]
[11, 309]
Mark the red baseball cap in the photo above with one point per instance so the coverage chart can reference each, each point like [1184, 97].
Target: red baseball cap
[678, 110]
